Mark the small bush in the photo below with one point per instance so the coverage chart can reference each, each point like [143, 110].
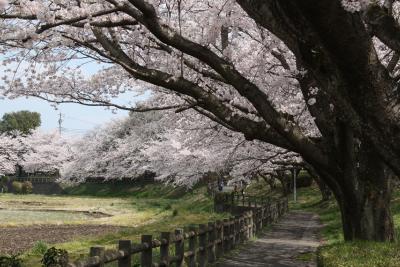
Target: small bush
[27, 187]
[175, 212]
[304, 179]
[55, 258]
[17, 187]
[5, 180]
[40, 248]
[10, 261]
[4, 184]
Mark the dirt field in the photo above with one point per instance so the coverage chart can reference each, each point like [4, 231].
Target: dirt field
[19, 239]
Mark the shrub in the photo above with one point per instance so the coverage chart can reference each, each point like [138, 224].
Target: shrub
[4, 180]
[27, 187]
[4, 189]
[175, 212]
[3, 184]
[304, 179]
[40, 248]
[10, 261]
[17, 187]
[55, 258]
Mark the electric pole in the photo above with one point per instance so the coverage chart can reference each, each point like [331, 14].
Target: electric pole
[60, 120]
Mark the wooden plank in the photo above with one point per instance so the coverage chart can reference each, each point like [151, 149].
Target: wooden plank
[202, 256]
[179, 248]
[97, 251]
[164, 248]
[146, 259]
[126, 246]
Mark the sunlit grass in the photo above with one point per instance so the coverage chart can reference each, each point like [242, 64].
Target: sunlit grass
[74, 210]
[147, 210]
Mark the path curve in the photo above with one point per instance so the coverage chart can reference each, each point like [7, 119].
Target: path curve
[296, 232]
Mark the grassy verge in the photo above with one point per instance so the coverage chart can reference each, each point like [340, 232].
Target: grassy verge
[337, 253]
[145, 210]
[117, 189]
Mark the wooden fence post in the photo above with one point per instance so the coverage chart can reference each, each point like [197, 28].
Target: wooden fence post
[226, 235]
[259, 219]
[251, 224]
[211, 241]
[126, 246]
[164, 248]
[179, 247]
[220, 237]
[99, 252]
[237, 230]
[269, 220]
[263, 217]
[202, 258]
[242, 228]
[287, 205]
[232, 232]
[146, 259]
[245, 225]
[255, 217]
[192, 246]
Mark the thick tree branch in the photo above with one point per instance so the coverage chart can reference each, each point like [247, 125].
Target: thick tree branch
[204, 99]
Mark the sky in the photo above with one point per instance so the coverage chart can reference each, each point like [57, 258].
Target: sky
[76, 119]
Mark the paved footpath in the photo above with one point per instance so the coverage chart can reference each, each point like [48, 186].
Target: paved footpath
[296, 232]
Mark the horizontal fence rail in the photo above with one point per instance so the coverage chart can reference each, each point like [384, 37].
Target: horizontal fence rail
[35, 179]
[196, 246]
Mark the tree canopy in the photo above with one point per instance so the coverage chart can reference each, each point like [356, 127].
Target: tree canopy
[318, 78]
[21, 121]
[37, 152]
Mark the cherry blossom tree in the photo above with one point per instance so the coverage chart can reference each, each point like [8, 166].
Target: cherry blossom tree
[113, 151]
[45, 152]
[317, 78]
[10, 151]
[179, 148]
[37, 152]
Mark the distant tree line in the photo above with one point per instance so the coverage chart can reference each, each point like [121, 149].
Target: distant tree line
[22, 121]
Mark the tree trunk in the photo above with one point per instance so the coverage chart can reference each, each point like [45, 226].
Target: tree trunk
[285, 182]
[364, 200]
[370, 219]
[326, 193]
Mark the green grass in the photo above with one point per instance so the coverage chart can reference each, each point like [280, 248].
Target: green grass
[337, 253]
[20, 217]
[150, 209]
[360, 254]
[126, 190]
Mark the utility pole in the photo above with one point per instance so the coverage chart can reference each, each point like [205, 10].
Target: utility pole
[60, 120]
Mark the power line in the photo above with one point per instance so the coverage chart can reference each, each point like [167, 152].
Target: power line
[81, 120]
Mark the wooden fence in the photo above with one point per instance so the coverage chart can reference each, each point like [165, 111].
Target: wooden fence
[235, 202]
[35, 179]
[196, 246]
[249, 201]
